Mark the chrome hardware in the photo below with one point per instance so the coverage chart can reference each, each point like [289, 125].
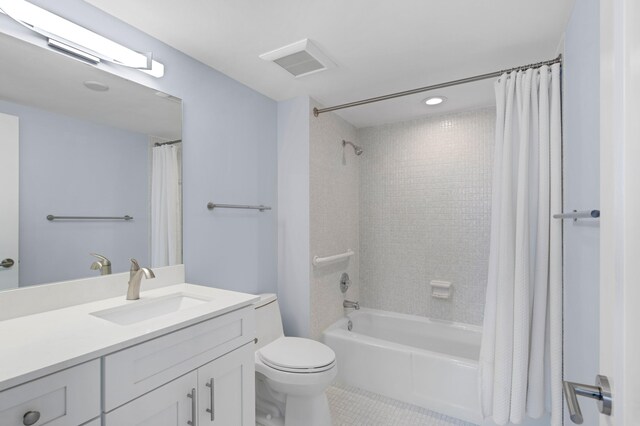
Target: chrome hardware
[192, 395]
[495, 74]
[600, 392]
[575, 215]
[51, 217]
[7, 263]
[30, 418]
[212, 390]
[212, 206]
[348, 304]
[135, 277]
[345, 282]
[350, 325]
[104, 264]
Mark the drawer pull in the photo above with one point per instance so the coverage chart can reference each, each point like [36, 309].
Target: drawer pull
[30, 418]
[211, 385]
[192, 395]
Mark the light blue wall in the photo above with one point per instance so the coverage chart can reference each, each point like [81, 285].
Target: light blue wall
[581, 192]
[294, 260]
[71, 167]
[230, 156]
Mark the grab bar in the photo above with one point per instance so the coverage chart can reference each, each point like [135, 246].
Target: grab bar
[575, 215]
[51, 217]
[212, 206]
[318, 261]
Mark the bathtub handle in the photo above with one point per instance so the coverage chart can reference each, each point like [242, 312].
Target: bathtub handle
[601, 392]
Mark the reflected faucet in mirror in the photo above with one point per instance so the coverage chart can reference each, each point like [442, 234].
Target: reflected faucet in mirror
[135, 277]
[40, 143]
[103, 264]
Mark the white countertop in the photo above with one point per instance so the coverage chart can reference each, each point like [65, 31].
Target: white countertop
[36, 345]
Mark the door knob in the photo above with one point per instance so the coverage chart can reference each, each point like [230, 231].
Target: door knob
[7, 263]
[601, 392]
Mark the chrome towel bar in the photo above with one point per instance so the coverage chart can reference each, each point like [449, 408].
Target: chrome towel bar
[212, 206]
[575, 215]
[52, 217]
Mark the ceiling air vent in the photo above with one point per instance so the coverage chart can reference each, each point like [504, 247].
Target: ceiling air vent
[300, 58]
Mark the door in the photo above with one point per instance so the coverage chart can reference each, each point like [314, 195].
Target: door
[226, 393]
[172, 404]
[620, 203]
[9, 204]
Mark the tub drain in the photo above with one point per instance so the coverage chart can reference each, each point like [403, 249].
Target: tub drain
[349, 325]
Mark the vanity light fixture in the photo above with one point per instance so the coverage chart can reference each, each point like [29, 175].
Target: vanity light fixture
[435, 100]
[76, 40]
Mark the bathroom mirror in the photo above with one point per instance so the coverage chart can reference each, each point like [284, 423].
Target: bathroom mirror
[86, 168]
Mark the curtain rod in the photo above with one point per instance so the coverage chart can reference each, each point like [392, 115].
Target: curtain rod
[318, 111]
[167, 143]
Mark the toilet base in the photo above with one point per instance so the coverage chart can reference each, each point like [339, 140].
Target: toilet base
[274, 408]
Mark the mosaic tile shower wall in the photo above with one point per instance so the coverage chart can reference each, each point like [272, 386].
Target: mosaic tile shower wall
[425, 206]
[333, 188]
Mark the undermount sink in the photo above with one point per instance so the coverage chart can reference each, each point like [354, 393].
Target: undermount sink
[143, 310]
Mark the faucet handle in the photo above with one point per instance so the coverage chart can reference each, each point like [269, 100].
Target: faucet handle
[135, 266]
[104, 260]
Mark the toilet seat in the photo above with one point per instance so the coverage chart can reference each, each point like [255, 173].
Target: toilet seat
[297, 355]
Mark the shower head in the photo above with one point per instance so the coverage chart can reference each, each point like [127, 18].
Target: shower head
[356, 148]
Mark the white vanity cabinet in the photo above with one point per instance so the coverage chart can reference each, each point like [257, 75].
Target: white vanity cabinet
[169, 405]
[191, 400]
[190, 365]
[176, 378]
[226, 390]
[68, 397]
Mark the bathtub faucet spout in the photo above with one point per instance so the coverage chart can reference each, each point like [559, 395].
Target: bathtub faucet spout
[349, 304]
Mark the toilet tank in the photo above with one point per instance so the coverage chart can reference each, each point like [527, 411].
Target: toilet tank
[268, 320]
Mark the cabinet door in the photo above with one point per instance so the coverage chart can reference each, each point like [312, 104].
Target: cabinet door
[226, 389]
[169, 405]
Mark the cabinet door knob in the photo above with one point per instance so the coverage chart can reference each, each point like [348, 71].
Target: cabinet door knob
[30, 418]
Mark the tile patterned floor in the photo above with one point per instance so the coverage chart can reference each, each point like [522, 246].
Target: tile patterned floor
[352, 406]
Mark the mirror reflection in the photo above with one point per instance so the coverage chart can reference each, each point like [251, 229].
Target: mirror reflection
[91, 163]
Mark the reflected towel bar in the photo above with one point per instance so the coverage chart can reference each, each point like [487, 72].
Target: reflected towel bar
[212, 206]
[319, 261]
[52, 217]
[575, 215]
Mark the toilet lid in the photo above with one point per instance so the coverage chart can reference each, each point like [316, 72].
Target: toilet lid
[295, 354]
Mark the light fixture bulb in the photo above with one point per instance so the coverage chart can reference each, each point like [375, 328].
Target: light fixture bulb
[65, 32]
[434, 100]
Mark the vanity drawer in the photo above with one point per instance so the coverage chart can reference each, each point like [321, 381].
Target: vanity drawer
[69, 397]
[147, 366]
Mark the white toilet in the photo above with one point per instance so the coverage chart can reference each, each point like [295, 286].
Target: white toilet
[292, 373]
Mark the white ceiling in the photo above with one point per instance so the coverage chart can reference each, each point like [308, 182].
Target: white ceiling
[42, 78]
[379, 47]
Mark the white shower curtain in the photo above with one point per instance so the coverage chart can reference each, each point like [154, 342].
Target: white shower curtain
[166, 206]
[521, 352]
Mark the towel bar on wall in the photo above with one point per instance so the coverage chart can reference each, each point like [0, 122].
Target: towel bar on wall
[575, 215]
[212, 206]
[51, 217]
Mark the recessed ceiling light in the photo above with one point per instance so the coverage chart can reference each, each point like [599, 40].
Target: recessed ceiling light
[96, 85]
[435, 100]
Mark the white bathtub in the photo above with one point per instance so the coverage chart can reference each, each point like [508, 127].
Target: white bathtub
[429, 363]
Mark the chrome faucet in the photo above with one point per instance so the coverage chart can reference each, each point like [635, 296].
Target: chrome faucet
[348, 304]
[135, 277]
[104, 264]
